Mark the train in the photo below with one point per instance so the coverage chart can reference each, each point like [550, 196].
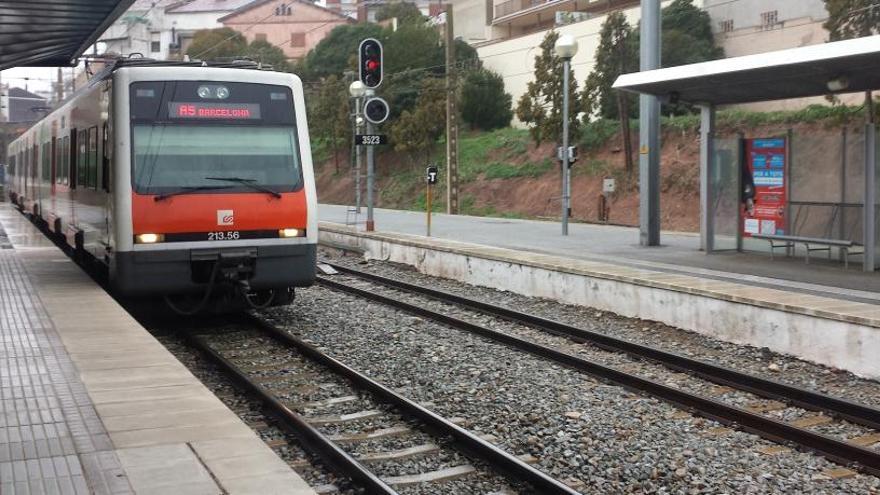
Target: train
[188, 181]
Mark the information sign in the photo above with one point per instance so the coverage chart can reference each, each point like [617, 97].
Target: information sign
[763, 197]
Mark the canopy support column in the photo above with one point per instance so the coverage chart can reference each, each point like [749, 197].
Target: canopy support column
[649, 129]
[870, 197]
[707, 197]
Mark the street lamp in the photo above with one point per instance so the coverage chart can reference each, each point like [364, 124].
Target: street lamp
[357, 90]
[566, 47]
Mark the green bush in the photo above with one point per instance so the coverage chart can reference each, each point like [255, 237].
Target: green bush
[484, 103]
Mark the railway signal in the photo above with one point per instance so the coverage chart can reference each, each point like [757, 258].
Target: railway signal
[370, 62]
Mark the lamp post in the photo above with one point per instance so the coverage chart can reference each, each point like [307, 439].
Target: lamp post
[566, 47]
[357, 90]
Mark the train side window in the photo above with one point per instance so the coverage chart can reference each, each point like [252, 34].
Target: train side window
[45, 162]
[82, 140]
[56, 159]
[93, 157]
[65, 160]
[105, 159]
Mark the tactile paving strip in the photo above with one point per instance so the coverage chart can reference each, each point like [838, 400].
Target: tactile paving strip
[51, 439]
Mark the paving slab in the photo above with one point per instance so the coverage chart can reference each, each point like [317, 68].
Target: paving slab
[91, 403]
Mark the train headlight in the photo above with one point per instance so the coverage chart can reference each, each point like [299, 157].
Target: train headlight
[148, 238]
[292, 233]
[204, 92]
[222, 92]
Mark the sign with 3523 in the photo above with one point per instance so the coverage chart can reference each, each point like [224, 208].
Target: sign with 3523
[370, 139]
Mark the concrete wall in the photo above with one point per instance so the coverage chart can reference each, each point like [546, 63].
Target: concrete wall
[471, 21]
[747, 13]
[844, 344]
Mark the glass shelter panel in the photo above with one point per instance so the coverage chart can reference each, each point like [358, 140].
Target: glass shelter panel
[725, 195]
[876, 163]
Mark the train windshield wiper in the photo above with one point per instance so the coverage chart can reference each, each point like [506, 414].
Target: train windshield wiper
[249, 183]
[188, 189]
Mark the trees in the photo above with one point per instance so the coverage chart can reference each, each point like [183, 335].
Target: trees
[210, 44]
[405, 12]
[615, 56]
[328, 115]
[541, 105]
[687, 35]
[484, 104]
[220, 43]
[417, 130]
[337, 52]
[849, 19]
[264, 52]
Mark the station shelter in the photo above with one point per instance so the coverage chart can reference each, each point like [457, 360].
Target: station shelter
[809, 189]
[53, 33]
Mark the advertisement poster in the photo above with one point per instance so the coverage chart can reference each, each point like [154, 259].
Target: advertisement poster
[763, 199]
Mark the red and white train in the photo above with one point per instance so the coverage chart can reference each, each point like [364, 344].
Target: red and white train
[182, 179]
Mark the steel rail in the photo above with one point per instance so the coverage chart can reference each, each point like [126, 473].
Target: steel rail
[838, 451]
[771, 389]
[495, 457]
[316, 441]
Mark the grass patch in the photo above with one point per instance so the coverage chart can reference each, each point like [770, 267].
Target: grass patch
[597, 133]
[474, 151]
[510, 171]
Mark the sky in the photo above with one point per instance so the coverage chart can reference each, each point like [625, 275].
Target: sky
[41, 78]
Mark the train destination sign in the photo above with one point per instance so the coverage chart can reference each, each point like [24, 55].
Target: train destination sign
[219, 111]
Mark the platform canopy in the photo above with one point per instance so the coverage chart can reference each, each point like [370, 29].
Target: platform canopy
[52, 32]
[848, 66]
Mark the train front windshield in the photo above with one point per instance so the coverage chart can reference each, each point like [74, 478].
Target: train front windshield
[192, 136]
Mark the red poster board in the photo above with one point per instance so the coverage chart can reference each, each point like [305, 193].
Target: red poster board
[764, 179]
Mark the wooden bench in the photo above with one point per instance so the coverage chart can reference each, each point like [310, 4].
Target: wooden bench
[810, 243]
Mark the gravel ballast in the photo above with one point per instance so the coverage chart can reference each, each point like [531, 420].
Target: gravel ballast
[599, 437]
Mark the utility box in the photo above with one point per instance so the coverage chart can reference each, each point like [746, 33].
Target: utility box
[608, 186]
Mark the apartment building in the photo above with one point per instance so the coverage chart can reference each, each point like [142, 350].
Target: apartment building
[507, 33]
[294, 26]
[163, 29]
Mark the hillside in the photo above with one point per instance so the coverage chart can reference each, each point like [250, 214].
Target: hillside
[503, 173]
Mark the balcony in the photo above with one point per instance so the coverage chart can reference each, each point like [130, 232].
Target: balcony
[540, 12]
[512, 6]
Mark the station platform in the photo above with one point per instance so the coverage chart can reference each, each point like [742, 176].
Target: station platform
[819, 312]
[90, 402]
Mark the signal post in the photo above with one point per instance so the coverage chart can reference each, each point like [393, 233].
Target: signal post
[370, 61]
[430, 180]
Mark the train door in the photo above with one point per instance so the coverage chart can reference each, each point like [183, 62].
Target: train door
[104, 162]
[25, 190]
[35, 175]
[53, 165]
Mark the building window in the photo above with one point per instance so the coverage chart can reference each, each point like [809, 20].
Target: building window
[769, 19]
[726, 26]
[155, 46]
[260, 37]
[283, 9]
[298, 39]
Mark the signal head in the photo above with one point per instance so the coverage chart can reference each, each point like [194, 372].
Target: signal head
[370, 62]
[376, 110]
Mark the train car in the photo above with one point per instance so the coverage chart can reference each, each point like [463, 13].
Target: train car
[183, 180]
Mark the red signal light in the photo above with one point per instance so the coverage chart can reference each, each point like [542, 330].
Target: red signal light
[370, 62]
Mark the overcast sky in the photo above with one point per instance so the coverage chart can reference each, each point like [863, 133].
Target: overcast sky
[41, 78]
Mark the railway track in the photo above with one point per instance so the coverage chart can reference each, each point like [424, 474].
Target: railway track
[765, 416]
[364, 430]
